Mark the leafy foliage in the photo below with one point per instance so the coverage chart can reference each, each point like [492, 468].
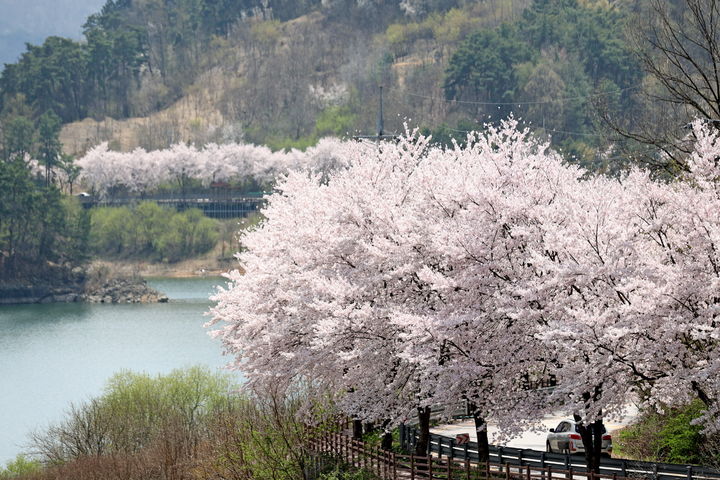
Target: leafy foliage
[190, 423]
[484, 67]
[149, 231]
[669, 437]
[40, 229]
[134, 410]
[19, 467]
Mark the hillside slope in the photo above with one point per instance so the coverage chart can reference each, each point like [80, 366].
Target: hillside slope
[285, 73]
[272, 82]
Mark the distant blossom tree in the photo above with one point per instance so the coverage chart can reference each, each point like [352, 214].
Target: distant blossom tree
[141, 171]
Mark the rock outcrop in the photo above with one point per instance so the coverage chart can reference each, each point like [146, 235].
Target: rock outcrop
[113, 290]
[122, 290]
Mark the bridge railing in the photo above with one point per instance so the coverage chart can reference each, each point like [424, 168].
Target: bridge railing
[215, 207]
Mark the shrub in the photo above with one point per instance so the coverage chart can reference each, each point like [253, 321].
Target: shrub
[149, 231]
[667, 437]
[137, 410]
[187, 424]
[21, 466]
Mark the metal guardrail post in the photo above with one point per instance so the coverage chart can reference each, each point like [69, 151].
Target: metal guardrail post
[689, 472]
[542, 460]
[452, 449]
[655, 470]
[520, 457]
[500, 454]
[623, 468]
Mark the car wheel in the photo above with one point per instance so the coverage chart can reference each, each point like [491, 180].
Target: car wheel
[548, 448]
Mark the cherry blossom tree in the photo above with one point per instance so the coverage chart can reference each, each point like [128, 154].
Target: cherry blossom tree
[426, 249]
[410, 276]
[140, 171]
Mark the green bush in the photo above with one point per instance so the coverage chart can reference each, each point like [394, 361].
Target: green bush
[667, 437]
[136, 410]
[149, 231]
[19, 467]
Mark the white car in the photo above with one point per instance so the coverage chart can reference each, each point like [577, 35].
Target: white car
[565, 438]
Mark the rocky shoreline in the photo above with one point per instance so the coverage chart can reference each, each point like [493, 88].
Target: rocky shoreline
[115, 290]
[123, 290]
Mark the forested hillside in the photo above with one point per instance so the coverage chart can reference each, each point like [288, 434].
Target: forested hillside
[285, 73]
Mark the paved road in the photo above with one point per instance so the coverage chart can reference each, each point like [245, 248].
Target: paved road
[529, 439]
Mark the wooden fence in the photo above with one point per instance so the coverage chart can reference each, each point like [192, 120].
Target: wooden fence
[388, 465]
[447, 447]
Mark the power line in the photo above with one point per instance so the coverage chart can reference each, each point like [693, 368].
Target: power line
[537, 102]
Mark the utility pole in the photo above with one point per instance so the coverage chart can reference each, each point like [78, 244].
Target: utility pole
[380, 125]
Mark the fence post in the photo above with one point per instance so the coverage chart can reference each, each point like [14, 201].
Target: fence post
[549, 470]
[567, 461]
[655, 470]
[500, 454]
[623, 468]
[403, 445]
[465, 451]
[412, 467]
[542, 460]
[689, 472]
[528, 474]
[440, 445]
[394, 465]
[364, 456]
[452, 449]
[520, 457]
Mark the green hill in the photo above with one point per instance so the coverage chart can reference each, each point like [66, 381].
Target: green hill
[284, 73]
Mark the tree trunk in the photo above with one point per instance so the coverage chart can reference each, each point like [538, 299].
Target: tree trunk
[387, 438]
[592, 443]
[357, 429]
[387, 441]
[369, 427]
[482, 435]
[423, 444]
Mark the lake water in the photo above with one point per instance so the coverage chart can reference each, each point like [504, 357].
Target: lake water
[53, 355]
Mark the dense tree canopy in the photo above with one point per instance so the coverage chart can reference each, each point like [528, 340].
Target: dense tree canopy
[420, 276]
[42, 234]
